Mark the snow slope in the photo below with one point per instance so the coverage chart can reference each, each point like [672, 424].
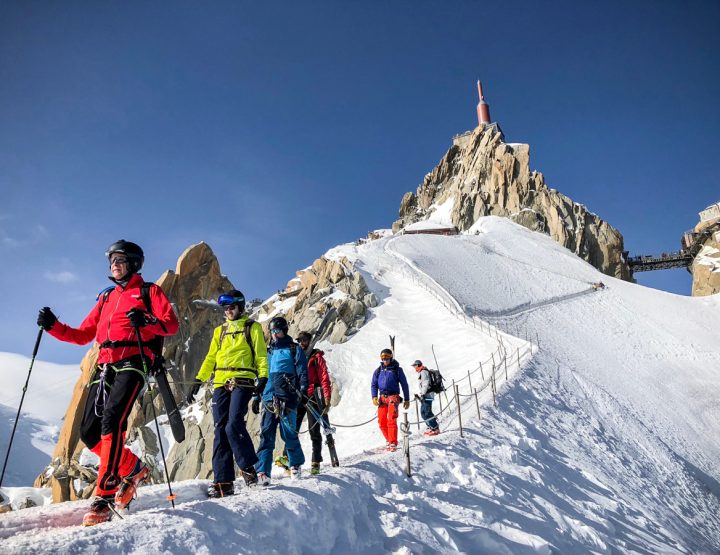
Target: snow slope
[49, 391]
[605, 439]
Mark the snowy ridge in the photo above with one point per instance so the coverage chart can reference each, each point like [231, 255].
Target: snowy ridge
[604, 440]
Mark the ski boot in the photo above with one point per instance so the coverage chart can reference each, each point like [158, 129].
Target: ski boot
[283, 462]
[432, 432]
[392, 446]
[100, 511]
[221, 489]
[263, 479]
[315, 468]
[128, 487]
[295, 472]
[250, 476]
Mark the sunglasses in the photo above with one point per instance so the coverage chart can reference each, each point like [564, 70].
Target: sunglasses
[118, 260]
[275, 331]
[229, 307]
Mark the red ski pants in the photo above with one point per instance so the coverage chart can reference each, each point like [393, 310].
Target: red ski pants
[387, 416]
[104, 425]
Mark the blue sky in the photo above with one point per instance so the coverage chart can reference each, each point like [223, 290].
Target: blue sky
[275, 132]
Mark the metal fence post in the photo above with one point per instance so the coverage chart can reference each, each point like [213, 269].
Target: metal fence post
[477, 403]
[492, 386]
[417, 412]
[457, 401]
[406, 446]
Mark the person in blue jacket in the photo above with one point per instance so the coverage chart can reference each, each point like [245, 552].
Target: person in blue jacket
[385, 391]
[287, 384]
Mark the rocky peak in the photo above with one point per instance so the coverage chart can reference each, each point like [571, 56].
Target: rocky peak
[706, 265]
[482, 175]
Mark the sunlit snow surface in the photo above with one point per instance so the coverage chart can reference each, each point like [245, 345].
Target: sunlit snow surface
[606, 440]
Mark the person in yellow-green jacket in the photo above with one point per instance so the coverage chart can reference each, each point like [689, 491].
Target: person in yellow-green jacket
[238, 358]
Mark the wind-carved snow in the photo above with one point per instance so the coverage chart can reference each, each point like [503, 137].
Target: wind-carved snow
[604, 440]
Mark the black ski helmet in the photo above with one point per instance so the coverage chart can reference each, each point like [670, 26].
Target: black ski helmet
[231, 298]
[135, 254]
[386, 352]
[304, 336]
[279, 323]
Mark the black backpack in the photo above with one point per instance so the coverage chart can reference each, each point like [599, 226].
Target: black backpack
[436, 381]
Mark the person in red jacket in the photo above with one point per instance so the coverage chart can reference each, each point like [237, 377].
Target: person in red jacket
[319, 396]
[119, 376]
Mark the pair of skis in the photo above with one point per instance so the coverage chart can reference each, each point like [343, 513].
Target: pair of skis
[327, 430]
[173, 413]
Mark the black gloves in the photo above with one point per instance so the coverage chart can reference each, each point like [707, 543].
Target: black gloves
[417, 396]
[137, 317]
[46, 318]
[193, 391]
[260, 387]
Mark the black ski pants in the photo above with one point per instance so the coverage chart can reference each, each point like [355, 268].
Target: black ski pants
[314, 429]
[229, 408]
[104, 422]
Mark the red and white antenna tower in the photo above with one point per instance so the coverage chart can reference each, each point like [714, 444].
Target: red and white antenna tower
[483, 108]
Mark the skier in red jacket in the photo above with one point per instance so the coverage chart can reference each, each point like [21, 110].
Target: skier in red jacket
[119, 376]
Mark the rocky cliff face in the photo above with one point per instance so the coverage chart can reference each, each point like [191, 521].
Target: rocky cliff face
[328, 299]
[482, 175]
[706, 266]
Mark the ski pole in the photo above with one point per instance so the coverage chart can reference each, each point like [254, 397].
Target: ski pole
[170, 497]
[17, 417]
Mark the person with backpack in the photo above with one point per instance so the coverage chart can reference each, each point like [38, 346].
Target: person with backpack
[385, 390]
[428, 388]
[238, 359]
[287, 384]
[318, 397]
[129, 308]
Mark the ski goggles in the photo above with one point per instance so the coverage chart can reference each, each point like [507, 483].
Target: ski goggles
[385, 357]
[118, 260]
[229, 300]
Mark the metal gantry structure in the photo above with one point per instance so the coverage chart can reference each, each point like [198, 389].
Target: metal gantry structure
[692, 242]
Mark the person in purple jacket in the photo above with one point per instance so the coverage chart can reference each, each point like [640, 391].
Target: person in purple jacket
[385, 391]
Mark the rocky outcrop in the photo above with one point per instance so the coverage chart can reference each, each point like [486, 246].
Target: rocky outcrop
[331, 301]
[191, 288]
[706, 265]
[482, 175]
